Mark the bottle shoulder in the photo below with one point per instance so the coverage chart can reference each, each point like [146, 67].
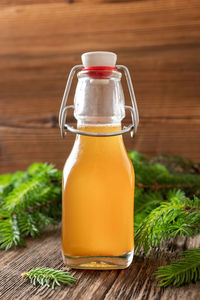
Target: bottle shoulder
[99, 156]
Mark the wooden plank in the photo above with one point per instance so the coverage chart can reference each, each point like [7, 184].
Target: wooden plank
[161, 47]
[39, 140]
[29, 2]
[168, 87]
[33, 2]
[41, 43]
[136, 282]
[139, 17]
[69, 28]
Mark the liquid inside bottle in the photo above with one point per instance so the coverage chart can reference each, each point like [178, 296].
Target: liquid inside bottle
[98, 184]
[98, 193]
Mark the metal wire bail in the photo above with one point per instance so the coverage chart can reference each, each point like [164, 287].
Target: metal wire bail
[132, 128]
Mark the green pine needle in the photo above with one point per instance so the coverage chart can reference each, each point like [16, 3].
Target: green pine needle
[179, 215]
[29, 202]
[156, 174]
[26, 195]
[10, 234]
[48, 277]
[9, 181]
[144, 203]
[181, 271]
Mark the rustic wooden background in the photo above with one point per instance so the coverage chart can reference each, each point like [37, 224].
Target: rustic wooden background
[40, 40]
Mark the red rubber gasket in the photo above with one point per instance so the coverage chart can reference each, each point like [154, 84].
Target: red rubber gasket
[99, 71]
[99, 68]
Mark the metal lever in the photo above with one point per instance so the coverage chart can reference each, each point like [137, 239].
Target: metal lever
[63, 109]
[98, 134]
[132, 94]
[67, 89]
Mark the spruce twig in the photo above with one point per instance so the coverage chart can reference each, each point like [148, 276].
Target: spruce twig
[179, 215]
[48, 277]
[151, 174]
[157, 186]
[182, 271]
[29, 202]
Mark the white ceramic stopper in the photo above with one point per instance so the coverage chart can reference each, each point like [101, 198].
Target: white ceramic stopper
[99, 58]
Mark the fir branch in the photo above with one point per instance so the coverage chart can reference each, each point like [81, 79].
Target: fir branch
[33, 192]
[32, 224]
[5, 183]
[42, 205]
[10, 234]
[33, 203]
[24, 195]
[8, 182]
[45, 169]
[178, 216]
[157, 186]
[144, 203]
[48, 277]
[181, 271]
[152, 175]
[144, 199]
[28, 225]
[176, 163]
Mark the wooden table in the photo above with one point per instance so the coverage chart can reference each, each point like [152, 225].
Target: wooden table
[136, 282]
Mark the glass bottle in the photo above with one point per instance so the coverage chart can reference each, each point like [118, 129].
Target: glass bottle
[98, 176]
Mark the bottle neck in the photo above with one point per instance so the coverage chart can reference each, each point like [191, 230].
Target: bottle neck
[99, 100]
[99, 144]
[84, 123]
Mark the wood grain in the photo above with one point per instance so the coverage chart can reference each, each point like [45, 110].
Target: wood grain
[41, 40]
[136, 282]
[39, 140]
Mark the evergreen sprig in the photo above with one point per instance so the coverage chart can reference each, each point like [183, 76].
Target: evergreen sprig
[182, 271]
[9, 181]
[48, 277]
[178, 215]
[29, 202]
[166, 207]
[144, 203]
[152, 175]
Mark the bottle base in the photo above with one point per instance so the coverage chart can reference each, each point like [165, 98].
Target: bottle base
[99, 262]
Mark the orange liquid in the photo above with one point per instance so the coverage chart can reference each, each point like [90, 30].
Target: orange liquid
[98, 196]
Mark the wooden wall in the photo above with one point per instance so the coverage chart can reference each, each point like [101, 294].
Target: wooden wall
[40, 40]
